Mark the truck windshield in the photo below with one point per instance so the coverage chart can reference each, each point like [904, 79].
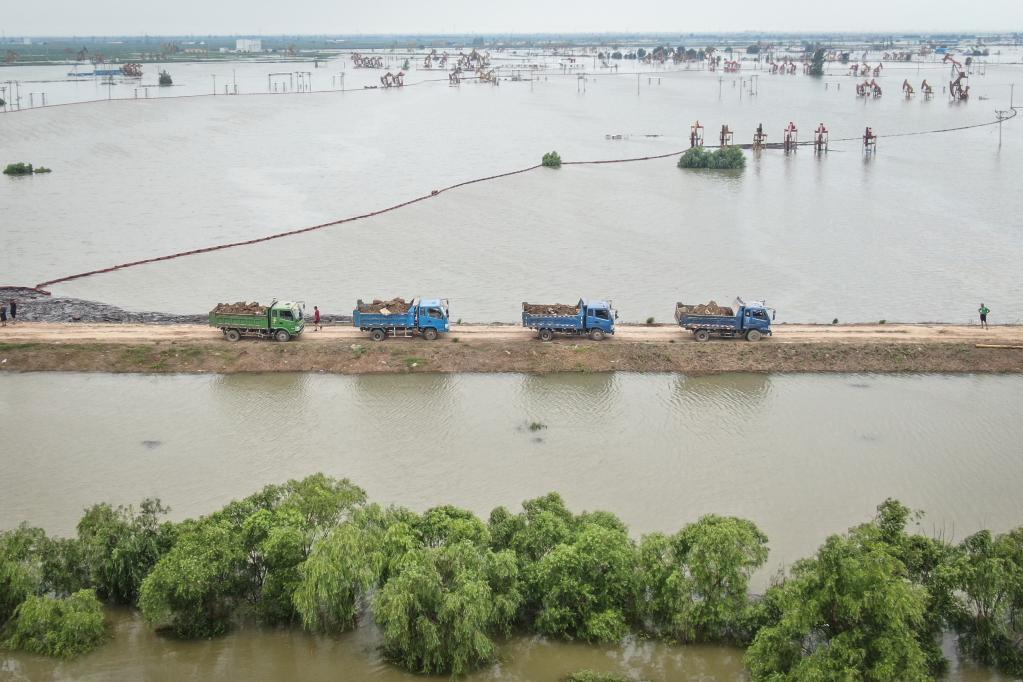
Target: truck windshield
[296, 313]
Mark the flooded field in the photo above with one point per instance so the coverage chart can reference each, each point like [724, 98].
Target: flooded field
[923, 231]
[802, 456]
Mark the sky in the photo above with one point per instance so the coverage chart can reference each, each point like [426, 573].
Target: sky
[244, 17]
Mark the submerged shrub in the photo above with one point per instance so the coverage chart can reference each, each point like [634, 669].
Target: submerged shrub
[551, 160]
[63, 627]
[18, 169]
[724, 158]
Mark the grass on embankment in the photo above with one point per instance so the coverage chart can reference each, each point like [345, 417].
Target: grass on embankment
[416, 355]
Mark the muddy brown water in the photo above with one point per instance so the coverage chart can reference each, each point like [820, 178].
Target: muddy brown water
[801, 455]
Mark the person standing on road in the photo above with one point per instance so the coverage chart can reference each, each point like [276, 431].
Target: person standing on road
[316, 319]
[983, 310]
[14, 311]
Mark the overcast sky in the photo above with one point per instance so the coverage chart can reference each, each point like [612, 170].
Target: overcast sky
[240, 17]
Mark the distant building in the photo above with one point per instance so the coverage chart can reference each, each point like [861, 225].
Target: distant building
[248, 45]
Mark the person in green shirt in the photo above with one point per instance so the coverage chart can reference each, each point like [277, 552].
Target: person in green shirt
[983, 310]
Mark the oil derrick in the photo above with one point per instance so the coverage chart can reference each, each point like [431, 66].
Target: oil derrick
[725, 138]
[926, 88]
[791, 138]
[696, 135]
[957, 87]
[869, 141]
[908, 89]
[759, 138]
[820, 139]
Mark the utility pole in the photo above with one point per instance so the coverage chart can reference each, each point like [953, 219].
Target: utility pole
[1002, 115]
[214, 84]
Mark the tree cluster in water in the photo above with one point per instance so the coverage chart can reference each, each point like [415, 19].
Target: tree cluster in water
[724, 158]
[871, 604]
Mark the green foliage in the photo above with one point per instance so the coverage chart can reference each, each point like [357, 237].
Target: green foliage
[18, 169]
[989, 578]
[724, 158]
[340, 570]
[850, 612]
[63, 627]
[585, 588]
[551, 160]
[443, 603]
[165, 79]
[193, 589]
[21, 571]
[817, 62]
[120, 546]
[695, 584]
[593, 676]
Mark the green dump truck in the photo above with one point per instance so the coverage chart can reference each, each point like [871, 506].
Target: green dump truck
[281, 320]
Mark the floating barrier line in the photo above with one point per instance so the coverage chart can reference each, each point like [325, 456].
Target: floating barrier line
[280, 235]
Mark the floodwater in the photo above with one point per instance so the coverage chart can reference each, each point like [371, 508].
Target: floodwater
[801, 455]
[923, 231]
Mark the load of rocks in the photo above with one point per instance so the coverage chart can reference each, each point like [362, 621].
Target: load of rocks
[395, 306]
[240, 308]
[711, 308]
[550, 309]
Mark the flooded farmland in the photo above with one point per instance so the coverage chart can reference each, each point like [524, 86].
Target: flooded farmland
[820, 238]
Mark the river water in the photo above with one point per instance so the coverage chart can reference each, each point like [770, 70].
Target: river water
[803, 456]
[923, 231]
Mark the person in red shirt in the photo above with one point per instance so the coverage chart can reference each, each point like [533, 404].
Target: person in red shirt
[316, 319]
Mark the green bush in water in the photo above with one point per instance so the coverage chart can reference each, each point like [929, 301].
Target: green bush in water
[594, 676]
[551, 160]
[53, 626]
[725, 158]
[18, 169]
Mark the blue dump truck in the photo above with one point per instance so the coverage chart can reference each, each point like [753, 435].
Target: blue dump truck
[595, 319]
[427, 317]
[750, 320]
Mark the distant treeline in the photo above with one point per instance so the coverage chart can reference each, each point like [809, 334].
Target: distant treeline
[871, 604]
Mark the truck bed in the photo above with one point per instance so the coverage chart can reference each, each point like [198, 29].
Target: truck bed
[239, 321]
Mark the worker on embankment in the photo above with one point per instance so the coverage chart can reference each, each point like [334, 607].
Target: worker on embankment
[983, 310]
[316, 319]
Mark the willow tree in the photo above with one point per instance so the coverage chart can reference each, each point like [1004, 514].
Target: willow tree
[58, 626]
[850, 612]
[694, 585]
[442, 607]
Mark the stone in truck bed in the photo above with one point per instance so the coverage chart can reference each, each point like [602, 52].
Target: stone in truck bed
[550, 309]
[711, 308]
[240, 308]
[395, 306]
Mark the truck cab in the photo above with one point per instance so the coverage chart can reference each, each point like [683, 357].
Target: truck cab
[287, 316]
[598, 315]
[755, 316]
[433, 314]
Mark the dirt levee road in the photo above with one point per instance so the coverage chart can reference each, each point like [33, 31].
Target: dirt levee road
[506, 348]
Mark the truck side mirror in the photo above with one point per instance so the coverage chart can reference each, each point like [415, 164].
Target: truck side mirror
[774, 313]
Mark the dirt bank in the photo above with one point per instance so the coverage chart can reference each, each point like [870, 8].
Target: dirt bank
[496, 348]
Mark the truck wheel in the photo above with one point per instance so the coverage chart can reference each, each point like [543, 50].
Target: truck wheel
[702, 335]
[546, 334]
[378, 334]
[232, 334]
[282, 335]
[753, 335]
[597, 334]
[430, 334]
